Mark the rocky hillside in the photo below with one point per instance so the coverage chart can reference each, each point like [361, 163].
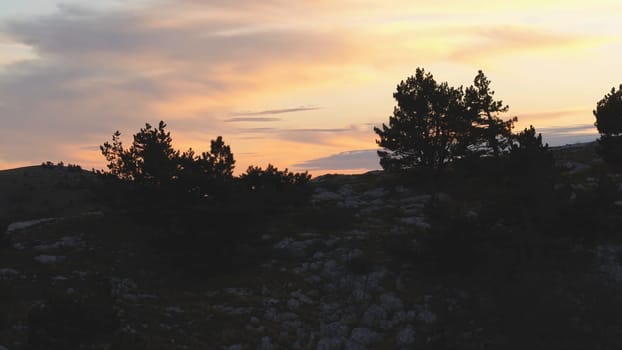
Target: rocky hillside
[366, 272]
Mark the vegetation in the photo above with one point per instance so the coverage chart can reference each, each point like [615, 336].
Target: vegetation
[434, 124]
[196, 197]
[608, 115]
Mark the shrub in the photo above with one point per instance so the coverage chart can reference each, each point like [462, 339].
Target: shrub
[68, 322]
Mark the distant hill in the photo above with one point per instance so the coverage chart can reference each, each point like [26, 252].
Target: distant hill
[39, 191]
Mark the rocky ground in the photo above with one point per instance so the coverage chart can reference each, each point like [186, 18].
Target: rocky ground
[320, 289]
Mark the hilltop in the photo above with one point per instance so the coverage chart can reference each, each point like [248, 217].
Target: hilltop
[370, 261]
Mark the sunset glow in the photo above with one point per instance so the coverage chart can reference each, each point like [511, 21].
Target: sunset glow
[299, 84]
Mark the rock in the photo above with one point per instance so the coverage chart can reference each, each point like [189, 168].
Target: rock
[352, 345]
[391, 302]
[346, 190]
[271, 314]
[235, 347]
[241, 292]
[335, 329]
[6, 273]
[351, 203]
[268, 302]
[326, 196]
[49, 259]
[365, 336]
[292, 249]
[293, 304]
[301, 297]
[332, 269]
[121, 286]
[375, 193]
[266, 344]
[374, 316]
[233, 310]
[425, 315]
[26, 224]
[415, 221]
[330, 344]
[3, 348]
[406, 336]
[405, 316]
[360, 296]
[287, 316]
[291, 325]
[575, 167]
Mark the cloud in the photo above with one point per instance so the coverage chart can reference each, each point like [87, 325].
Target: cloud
[276, 111]
[74, 76]
[350, 160]
[563, 135]
[572, 129]
[259, 119]
[488, 42]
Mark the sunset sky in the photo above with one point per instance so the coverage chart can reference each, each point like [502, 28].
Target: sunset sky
[299, 84]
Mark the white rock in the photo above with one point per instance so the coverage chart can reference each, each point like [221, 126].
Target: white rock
[352, 345]
[25, 224]
[327, 196]
[287, 316]
[365, 336]
[293, 304]
[406, 337]
[266, 344]
[425, 315]
[334, 329]
[49, 259]
[415, 221]
[374, 316]
[6, 272]
[174, 309]
[330, 344]
[375, 192]
[391, 302]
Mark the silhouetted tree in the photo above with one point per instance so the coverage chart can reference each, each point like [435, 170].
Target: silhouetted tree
[208, 173]
[608, 115]
[257, 179]
[490, 134]
[434, 124]
[528, 153]
[154, 155]
[152, 160]
[427, 126]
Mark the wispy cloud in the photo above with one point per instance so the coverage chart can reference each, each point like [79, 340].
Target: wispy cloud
[483, 44]
[275, 111]
[562, 135]
[350, 160]
[82, 72]
[258, 119]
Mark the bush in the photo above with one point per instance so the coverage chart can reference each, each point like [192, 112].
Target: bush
[271, 187]
[67, 322]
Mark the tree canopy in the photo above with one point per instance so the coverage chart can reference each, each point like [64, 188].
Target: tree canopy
[434, 123]
[608, 115]
[151, 160]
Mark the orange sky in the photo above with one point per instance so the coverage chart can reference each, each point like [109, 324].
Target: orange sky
[299, 84]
